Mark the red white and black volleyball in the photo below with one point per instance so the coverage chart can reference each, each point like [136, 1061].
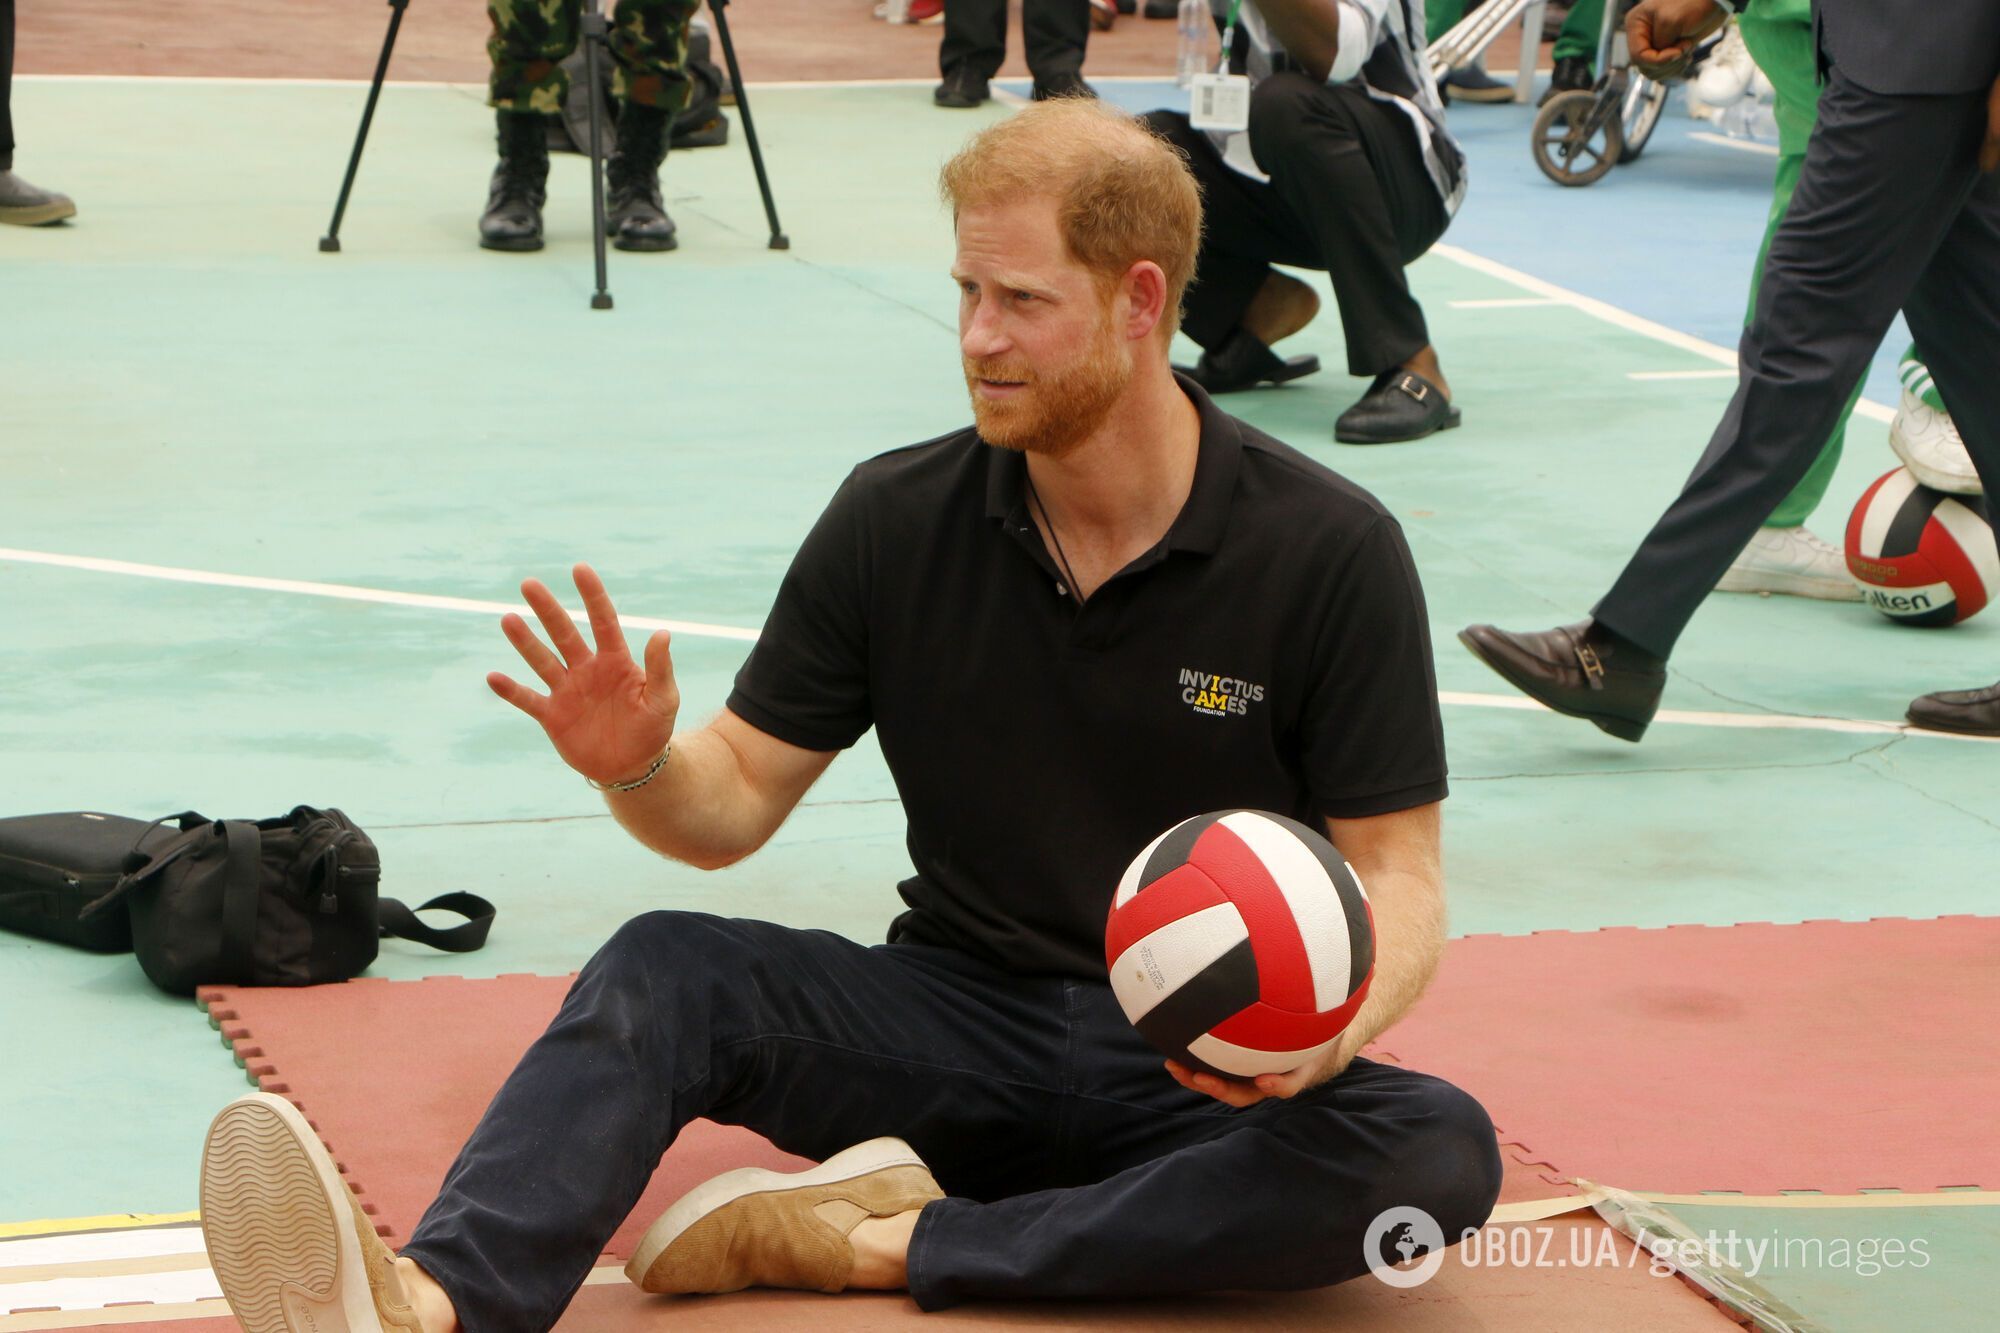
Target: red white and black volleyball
[1240, 943]
[1919, 556]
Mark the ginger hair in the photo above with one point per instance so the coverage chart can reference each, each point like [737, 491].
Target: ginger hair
[1122, 193]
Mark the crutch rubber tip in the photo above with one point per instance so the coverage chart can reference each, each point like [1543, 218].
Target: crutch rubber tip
[329, 245]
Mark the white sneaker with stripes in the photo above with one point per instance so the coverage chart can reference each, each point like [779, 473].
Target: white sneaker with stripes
[1794, 562]
[1924, 436]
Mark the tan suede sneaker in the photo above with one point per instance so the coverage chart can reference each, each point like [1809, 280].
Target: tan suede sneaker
[287, 1239]
[759, 1228]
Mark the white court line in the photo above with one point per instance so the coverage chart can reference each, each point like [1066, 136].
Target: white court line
[96, 1246]
[348, 592]
[695, 629]
[1740, 145]
[1623, 319]
[1505, 303]
[1744, 721]
[1680, 375]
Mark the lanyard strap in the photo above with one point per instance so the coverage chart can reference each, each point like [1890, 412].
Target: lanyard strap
[1228, 36]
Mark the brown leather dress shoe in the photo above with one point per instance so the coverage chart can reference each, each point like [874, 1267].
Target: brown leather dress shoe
[1971, 712]
[1579, 670]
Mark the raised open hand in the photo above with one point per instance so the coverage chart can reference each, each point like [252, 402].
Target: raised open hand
[608, 717]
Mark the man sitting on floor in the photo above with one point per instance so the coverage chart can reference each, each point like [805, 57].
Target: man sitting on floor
[1344, 165]
[1012, 608]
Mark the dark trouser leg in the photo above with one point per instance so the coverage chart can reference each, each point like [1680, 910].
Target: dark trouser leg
[649, 50]
[975, 34]
[1884, 179]
[1955, 315]
[814, 1041]
[1352, 171]
[1186, 1194]
[6, 84]
[1054, 34]
[1246, 228]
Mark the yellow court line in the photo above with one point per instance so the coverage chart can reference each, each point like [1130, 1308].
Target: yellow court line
[131, 1266]
[1941, 1199]
[57, 1226]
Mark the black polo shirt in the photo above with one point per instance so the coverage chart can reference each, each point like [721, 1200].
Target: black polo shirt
[1271, 652]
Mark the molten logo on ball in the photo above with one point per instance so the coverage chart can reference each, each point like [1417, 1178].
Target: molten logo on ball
[1240, 943]
[1919, 556]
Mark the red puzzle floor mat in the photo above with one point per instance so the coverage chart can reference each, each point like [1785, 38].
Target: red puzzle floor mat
[1830, 1056]
[395, 1074]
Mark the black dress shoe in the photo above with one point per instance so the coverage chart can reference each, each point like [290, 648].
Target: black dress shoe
[963, 87]
[1971, 712]
[1066, 84]
[1580, 670]
[1241, 361]
[1401, 405]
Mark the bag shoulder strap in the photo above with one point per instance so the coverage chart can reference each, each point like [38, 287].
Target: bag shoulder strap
[165, 855]
[243, 845]
[399, 921]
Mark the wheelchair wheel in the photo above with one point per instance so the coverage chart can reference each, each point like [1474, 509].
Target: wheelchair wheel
[1573, 143]
[1644, 101]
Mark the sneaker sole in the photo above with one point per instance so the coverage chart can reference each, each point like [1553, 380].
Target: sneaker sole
[277, 1224]
[860, 1160]
[41, 215]
[1624, 728]
[1789, 585]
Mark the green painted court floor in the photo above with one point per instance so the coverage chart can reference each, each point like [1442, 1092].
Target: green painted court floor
[188, 385]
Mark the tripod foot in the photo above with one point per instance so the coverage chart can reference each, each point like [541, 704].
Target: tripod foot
[601, 301]
[780, 241]
[329, 245]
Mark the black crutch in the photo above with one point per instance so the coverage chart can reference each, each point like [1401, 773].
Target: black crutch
[330, 242]
[779, 241]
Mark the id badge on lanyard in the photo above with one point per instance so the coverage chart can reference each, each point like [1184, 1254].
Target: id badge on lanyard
[1221, 101]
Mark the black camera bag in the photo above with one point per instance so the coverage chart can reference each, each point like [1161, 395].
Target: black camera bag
[290, 901]
[51, 866]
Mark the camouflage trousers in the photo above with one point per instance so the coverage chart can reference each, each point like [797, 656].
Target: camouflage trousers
[532, 37]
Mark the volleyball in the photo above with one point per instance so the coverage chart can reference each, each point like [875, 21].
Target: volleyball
[1919, 556]
[1240, 943]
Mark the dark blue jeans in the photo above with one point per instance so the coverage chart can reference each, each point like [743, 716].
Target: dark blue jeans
[1076, 1166]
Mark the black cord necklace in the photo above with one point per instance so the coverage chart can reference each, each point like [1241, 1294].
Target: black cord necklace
[1035, 499]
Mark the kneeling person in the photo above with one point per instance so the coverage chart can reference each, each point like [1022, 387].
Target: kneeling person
[1017, 609]
[1346, 167]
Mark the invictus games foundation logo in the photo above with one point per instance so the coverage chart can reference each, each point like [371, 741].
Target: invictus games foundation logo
[1218, 696]
[1398, 1235]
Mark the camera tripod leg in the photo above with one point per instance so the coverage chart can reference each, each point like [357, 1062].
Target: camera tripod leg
[330, 243]
[779, 241]
[595, 37]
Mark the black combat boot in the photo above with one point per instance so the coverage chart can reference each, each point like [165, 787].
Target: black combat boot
[513, 217]
[637, 219]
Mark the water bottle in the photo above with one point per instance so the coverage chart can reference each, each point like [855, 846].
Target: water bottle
[1195, 26]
